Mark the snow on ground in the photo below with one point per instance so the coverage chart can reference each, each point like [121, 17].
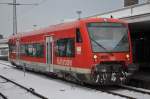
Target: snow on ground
[52, 88]
[12, 91]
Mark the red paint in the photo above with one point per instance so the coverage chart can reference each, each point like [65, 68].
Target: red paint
[67, 30]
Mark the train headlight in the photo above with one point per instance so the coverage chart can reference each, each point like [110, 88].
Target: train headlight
[95, 58]
[128, 56]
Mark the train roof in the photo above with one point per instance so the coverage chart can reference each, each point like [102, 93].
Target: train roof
[63, 26]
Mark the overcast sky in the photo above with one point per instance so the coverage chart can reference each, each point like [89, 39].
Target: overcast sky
[50, 12]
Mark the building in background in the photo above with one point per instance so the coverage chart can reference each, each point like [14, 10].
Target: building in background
[1, 36]
[130, 2]
[4, 49]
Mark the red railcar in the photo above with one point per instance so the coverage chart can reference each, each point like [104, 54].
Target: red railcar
[92, 50]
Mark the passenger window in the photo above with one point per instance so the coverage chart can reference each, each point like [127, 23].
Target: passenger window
[36, 50]
[65, 47]
[22, 50]
[39, 50]
[61, 51]
[30, 50]
[78, 36]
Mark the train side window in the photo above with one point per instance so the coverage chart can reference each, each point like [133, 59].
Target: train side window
[39, 50]
[26, 49]
[65, 47]
[30, 50]
[22, 49]
[78, 36]
[61, 47]
[35, 50]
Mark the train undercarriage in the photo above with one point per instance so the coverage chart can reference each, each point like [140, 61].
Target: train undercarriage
[112, 74]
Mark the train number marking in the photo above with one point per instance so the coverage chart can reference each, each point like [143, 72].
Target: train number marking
[64, 62]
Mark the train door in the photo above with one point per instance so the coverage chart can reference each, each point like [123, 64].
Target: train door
[49, 52]
[17, 51]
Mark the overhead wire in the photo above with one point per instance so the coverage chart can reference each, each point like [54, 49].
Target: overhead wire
[31, 8]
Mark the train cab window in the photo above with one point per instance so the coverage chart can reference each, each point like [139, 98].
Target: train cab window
[65, 47]
[70, 48]
[78, 36]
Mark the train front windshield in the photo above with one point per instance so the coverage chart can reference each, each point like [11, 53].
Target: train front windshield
[108, 37]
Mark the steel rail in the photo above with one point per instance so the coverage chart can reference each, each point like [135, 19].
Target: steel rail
[31, 90]
[117, 94]
[134, 89]
[3, 96]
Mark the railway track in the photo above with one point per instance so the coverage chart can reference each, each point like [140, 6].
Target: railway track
[31, 90]
[2, 96]
[129, 90]
[99, 89]
[117, 94]
[123, 88]
[134, 89]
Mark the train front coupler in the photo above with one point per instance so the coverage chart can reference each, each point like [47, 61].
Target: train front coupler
[109, 74]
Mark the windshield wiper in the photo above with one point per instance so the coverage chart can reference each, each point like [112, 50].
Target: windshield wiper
[122, 42]
[102, 47]
[99, 45]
